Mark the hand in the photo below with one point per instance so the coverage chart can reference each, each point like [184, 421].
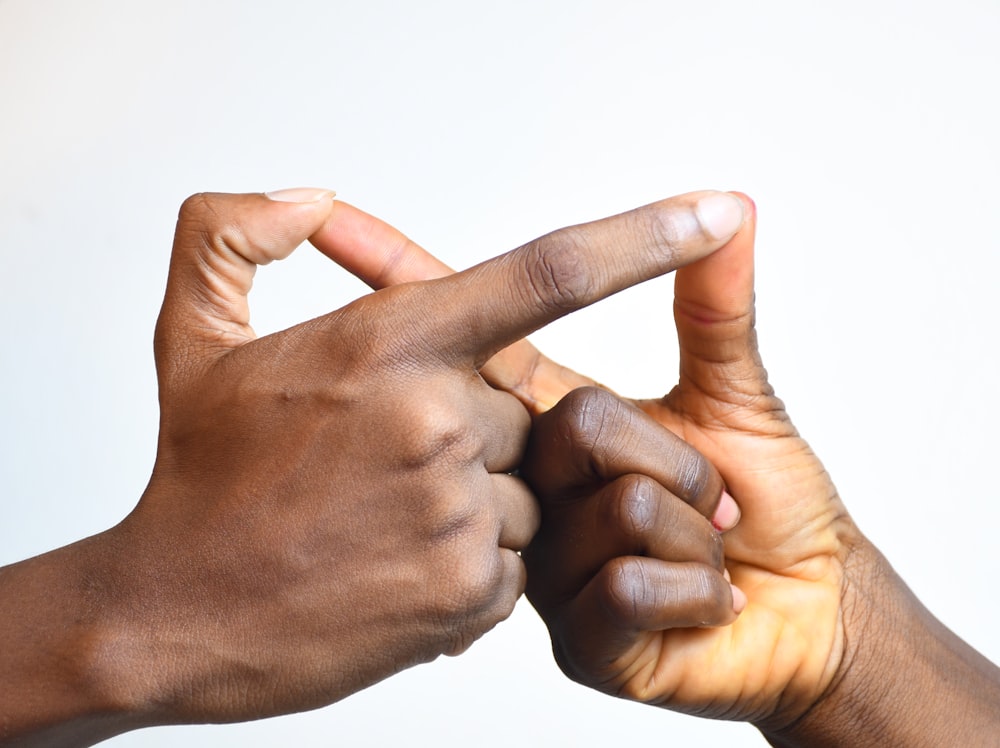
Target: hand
[329, 504]
[831, 648]
[626, 561]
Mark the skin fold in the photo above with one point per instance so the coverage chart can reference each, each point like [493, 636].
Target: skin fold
[830, 649]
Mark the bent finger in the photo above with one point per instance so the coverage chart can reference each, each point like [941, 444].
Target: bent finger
[610, 620]
[517, 511]
[219, 241]
[592, 436]
[631, 516]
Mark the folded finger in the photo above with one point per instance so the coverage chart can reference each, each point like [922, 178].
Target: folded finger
[592, 436]
[516, 510]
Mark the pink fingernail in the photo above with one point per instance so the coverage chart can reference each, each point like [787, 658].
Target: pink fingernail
[720, 214]
[727, 514]
[739, 599]
[300, 195]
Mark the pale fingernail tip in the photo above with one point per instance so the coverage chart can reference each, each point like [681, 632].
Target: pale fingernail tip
[300, 195]
[720, 214]
[727, 513]
[739, 599]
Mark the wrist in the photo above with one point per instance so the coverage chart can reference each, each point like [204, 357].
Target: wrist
[65, 681]
[904, 679]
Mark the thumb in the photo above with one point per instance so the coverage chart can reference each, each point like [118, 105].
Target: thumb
[219, 241]
[721, 373]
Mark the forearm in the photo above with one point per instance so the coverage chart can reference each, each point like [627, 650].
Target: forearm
[906, 679]
[57, 651]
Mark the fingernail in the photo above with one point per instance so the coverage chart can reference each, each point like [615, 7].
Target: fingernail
[727, 513]
[739, 599]
[300, 195]
[720, 214]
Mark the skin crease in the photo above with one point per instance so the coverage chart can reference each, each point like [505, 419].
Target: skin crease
[831, 648]
[330, 504]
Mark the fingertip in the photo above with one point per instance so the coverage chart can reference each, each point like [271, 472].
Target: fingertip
[721, 214]
[749, 206]
[727, 513]
[300, 195]
[739, 599]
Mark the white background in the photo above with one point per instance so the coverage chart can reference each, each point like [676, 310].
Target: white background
[866, 132]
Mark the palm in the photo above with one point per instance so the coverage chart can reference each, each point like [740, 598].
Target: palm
[786, 554]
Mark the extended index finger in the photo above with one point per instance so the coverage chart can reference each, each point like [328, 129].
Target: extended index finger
[381, 256]
[484, 309]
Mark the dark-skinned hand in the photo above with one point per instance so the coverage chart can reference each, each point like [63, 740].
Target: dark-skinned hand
[330, 504]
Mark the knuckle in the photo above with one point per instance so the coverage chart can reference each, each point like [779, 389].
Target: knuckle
[436, 433]
[585, 411]
[712, 598]
[472, 602]
[196, 209]
[633, 506]
[451, 518]
[623, 590]
[204, 221]
[695, 474]
[666, 230]
[200, 215]
[557, 277]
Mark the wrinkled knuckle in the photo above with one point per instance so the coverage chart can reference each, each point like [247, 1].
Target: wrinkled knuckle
[666, 230]
[204, 220]
[558, 278]
[623, 589]
[714, 596]
[473, 592]
[585, 411]
[633, 506]
[695, 474]
[196, 209]
[436, 434]
[451, 518]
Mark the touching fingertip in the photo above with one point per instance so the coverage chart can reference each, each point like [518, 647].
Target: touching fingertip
[739, 599]
[300, 195]
[727, 513]
[720, 214]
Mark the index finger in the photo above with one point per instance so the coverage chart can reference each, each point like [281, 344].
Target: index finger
[381, 256]
[591, 436]
[482, 310]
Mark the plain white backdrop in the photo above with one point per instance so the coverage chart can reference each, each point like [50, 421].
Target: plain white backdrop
[865, 131]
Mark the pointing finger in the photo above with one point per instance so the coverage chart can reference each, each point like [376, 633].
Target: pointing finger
[482, 310]
[381, 256]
